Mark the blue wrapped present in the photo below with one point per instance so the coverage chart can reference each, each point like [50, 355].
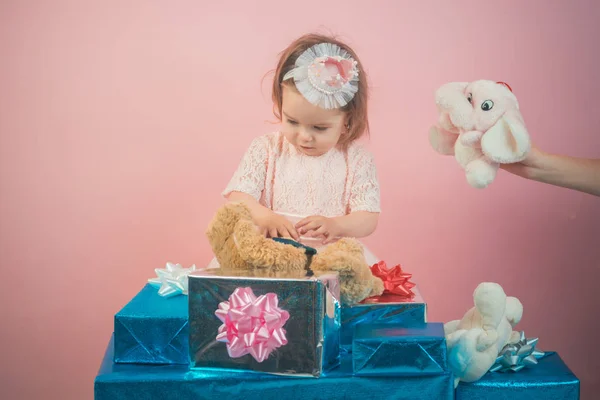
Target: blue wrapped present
[550, 379]
[152, 329]
[389, 350]
[284, 322]
[385, 309]
[154, 382]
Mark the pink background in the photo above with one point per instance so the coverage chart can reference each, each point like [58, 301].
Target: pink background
[121, 122]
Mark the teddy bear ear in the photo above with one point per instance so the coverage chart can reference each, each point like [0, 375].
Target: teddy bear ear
[221, 226]
[377, 288]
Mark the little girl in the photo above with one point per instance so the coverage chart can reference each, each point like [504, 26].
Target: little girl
[312, 181]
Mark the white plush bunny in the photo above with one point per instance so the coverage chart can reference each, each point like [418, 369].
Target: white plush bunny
[474, 341]
[481, 125]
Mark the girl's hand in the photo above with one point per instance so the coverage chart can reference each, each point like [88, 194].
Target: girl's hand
[317, 226]
[274, 225]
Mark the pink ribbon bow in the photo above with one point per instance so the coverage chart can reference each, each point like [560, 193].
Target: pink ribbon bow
[333, 71]
[251, 325]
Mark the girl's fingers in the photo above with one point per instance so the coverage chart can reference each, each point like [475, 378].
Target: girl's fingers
[311, 226]
[292, 231]
[329, 240]
[283, 232]
[303, 222]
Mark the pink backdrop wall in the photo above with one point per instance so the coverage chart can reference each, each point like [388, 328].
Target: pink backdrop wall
[121, 122]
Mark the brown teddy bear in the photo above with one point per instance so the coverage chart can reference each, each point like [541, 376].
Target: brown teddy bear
[238, 245]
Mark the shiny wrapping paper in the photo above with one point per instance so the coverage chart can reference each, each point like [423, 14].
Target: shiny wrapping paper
[152, 329]
[387, 350]
[153, 382]
[307, 345]
[550, 379]
[385, 309]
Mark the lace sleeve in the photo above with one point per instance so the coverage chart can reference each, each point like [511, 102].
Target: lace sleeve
[364, 192]
[250, 175]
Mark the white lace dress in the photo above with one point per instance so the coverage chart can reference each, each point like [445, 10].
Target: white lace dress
[295, 185]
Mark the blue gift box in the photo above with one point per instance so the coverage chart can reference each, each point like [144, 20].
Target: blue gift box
[550, 379]
[153, 382]
[311, 328]
[389, 350]
[152, 329]
[385, 309]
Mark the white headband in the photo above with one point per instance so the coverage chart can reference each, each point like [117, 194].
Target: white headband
[326, 75]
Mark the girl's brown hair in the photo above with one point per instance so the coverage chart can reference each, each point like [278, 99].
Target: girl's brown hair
[356, 110]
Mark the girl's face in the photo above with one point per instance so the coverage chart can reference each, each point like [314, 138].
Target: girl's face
[311, 129]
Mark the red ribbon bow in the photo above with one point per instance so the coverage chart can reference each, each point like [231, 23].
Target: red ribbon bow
[395, 281]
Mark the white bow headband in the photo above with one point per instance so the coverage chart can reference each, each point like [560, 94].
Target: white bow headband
[326, 75]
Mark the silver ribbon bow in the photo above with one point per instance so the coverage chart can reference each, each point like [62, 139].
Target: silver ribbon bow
[516, 356]
[172, 280]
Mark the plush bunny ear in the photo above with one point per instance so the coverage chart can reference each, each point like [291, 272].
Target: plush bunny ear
[444, 95]
[446, 123]
[453, 106]
[508, 140]
[442, 141]
[490, 301]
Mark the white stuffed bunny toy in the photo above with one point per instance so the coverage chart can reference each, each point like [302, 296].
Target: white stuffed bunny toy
[481, 125]
[475, 341]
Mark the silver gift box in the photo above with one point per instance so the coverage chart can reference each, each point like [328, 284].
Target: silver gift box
[311, 331]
